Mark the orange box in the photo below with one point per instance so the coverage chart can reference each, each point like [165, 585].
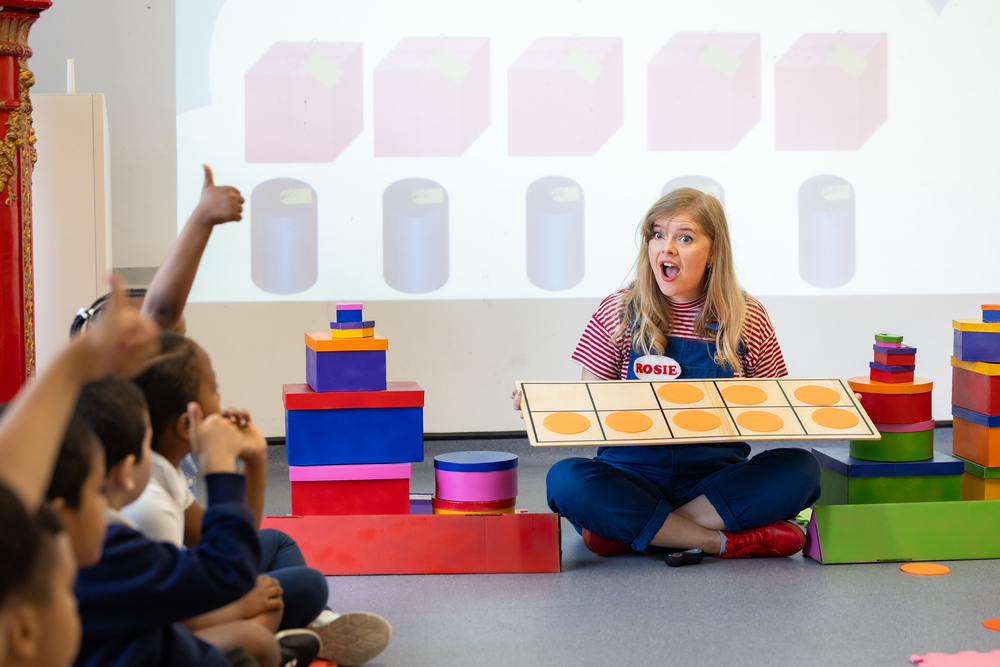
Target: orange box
[425, 543]
[975, 442]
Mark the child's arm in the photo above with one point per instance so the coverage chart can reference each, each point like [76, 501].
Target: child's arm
[33, 425]
[169, 289]
[254, 456]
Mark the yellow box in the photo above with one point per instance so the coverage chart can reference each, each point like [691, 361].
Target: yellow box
[978, 488]
[352, 333]
[975, 325]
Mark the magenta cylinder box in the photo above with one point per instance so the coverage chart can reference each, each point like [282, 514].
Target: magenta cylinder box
[475, 486]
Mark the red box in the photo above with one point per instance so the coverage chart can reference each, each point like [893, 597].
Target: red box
[895, 359]
[426, 543]
[303, 102]
[897, 408]
[703, 91]
[890, 377]
[975, 391]
[300, 396]
[351, 496]
[831, 91]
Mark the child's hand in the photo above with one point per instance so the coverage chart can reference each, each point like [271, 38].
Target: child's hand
[219, 204]
[265, 597]
[516, 397]
[122, 340]
[254, 451]
[215, 440]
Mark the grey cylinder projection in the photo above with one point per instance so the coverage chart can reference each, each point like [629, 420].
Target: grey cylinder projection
[415, 235]
[703, 183]
[555, 233]
[826, 231]
[283, 236]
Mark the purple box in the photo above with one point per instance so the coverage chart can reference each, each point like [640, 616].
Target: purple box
[432, 96]
[303, 102]
[830, 91]
[564, 96]
[361, 370]
[703, 91]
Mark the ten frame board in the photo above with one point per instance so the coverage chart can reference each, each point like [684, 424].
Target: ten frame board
[596, 402]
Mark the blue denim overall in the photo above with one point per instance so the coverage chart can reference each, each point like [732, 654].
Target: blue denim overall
[626, 493]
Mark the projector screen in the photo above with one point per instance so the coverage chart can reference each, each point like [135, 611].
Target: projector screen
[471, 151]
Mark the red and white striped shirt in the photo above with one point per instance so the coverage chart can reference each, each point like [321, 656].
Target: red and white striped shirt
[607, 356]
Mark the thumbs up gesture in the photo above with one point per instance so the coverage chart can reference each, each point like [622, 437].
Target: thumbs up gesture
[219, 203]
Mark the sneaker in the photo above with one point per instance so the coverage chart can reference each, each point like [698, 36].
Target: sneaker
[299, 647]
[603, 546]
[351, 639]
[781, 538]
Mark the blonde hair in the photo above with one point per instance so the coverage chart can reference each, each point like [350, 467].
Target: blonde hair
[648, 310]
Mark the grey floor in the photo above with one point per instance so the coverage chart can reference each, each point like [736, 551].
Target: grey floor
[634, 610]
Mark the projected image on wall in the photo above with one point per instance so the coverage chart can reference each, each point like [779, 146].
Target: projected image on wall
[447, 147]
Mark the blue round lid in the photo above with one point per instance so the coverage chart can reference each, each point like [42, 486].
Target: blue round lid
[475, 461]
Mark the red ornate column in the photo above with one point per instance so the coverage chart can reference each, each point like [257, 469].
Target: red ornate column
[17, 155]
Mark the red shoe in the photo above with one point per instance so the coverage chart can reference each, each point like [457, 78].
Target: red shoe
[603, 546]
[781, 538]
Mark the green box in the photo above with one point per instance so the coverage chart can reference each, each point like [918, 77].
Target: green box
[905, 532]
[895, 447]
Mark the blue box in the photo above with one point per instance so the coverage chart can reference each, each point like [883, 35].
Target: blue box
[977, 346]
[841, 462]
[991, 316]
[361, 370]
[891, 369]
[349, 315]
[354, 436]
[989, 421]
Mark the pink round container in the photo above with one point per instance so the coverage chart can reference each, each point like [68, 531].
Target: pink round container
[475, 486]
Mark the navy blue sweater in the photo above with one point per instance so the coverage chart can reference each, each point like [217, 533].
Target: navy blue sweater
[131, 602]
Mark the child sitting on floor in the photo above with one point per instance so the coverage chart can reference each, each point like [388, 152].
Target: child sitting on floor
[169, 512]
[132, 602]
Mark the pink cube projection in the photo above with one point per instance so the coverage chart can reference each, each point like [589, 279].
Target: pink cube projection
[432, 96]
[303, 102]
[704, 91]
[830, 91]
[564, 96]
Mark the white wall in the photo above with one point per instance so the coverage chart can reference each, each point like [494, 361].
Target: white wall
[466, 354]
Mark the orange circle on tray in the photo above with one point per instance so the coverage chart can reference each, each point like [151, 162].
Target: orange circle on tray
[744, 394]
[992, 624]
[927, 569]
[760, 421]
[835, 418]
[681, 393]
[628, 422]
[816, 395]
[697, 420]
[566, 423]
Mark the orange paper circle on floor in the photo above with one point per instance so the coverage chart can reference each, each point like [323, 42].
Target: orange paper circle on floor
[744, 394]
[992, 624]
[697, 420]
[680, 393]
[628, 422]
[816, 395]
[927, 569]
[760, 421]
[835, 418]
[566, 423]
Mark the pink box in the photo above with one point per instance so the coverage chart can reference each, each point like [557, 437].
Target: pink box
[349, 472]
[704, 91]
[475, 486]
[303, 102]
[830, 91]
[564, 96]
[432, 96]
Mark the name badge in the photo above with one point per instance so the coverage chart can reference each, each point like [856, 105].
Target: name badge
[653, 367]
